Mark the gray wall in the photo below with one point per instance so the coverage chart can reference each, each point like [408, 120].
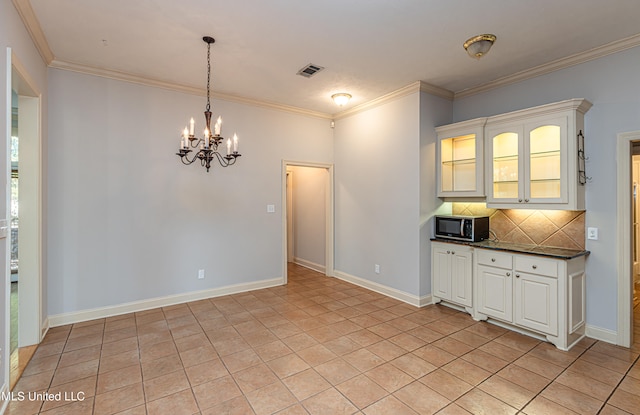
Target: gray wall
[309, 215]
[611, 84]
[129, 222]
[376, 194]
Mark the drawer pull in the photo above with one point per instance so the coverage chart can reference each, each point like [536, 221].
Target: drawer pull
[534, 266]
[508, 274]
[493, 260]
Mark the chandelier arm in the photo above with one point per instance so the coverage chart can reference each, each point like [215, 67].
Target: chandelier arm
[223, 161]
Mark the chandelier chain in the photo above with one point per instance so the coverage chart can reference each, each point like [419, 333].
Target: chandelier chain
[208, 75]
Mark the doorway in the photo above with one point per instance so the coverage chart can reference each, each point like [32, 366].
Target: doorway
[322, 175]
[626, 233]
[25, 173]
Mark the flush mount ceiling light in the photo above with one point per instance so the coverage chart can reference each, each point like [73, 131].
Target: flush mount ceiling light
[478, 46]
[341, 98]
[207, 147]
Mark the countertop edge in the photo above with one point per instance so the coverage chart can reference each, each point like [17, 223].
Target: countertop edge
[549, 252]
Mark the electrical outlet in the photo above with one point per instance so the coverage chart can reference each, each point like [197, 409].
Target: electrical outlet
[592, 233]
[271, 208]
[376, 268]
[200, 274]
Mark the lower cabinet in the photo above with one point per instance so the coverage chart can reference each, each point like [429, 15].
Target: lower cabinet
[452, 273]
[534, 293]
[530, 293]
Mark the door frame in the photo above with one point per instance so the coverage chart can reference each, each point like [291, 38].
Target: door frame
[31, 328]
[329, 215]
[625, 266]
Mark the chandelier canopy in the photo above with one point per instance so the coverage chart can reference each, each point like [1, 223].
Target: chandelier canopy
[207, 147]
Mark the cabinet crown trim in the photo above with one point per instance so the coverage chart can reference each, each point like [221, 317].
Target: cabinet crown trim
[580, 105]
[476, 122]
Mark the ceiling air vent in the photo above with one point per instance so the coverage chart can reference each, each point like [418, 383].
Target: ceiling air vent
[310, 70]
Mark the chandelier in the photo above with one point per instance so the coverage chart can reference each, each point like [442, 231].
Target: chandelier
[206, 148]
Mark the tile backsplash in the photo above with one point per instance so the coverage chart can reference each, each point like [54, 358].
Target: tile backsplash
[557, 228]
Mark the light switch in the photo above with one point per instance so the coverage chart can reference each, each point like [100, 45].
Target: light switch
[592, 233]
[271, 208]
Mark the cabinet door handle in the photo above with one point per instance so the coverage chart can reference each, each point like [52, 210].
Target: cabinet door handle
[493, 260]
[534, 266]
[519, 200]
[508, 274]
[517, 275]
[448, 252]
[526, 200]
[453, 252]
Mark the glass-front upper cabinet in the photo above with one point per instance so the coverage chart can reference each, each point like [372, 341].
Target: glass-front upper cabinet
[532, 157]
[460, 159]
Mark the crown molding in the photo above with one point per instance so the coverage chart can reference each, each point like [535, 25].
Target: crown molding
[556, 65]
[127, 77]
[418, 86]
[32, 25]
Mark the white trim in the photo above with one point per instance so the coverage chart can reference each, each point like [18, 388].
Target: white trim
[44, 329]
[28, 16]
[414, 87]
[309, 264]
[601, 334]
[109, 311]
[30, 296]
[329, 219]
[383, 289]
[623, 216]
[172, 86]
[578, 58]
[5, 358]
[4, 391]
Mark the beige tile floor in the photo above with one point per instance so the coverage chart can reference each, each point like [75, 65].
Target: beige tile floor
[319, 346]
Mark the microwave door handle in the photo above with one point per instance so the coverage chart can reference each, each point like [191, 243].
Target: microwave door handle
[462, 228]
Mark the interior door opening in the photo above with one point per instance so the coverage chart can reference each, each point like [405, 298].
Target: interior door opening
[25, 197]
[307, 217]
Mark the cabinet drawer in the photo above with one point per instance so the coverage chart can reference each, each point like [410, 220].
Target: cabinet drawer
[536, 265]
[494, 259]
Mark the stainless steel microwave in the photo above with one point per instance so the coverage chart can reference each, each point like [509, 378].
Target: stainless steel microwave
[462, 228]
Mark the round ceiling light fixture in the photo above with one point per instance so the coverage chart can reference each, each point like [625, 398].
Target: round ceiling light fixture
[341, 98]
[478, 46]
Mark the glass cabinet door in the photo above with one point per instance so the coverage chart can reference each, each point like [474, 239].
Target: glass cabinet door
[458, 163]
[545, 163]
[506, 170]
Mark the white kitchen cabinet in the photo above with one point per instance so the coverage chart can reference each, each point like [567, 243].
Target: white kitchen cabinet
[452, 274]
[494, 286]
[542, 295]
[532, 157]
[460, 159]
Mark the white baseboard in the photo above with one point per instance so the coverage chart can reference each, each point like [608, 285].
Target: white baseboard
[309, 264]
[383, 289]
[44, 329]
[599, 333]
[102, 312]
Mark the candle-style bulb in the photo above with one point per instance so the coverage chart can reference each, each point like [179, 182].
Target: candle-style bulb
[235, 143]
[206, 138]
[218, 126]
[228, 146]
[192, 126]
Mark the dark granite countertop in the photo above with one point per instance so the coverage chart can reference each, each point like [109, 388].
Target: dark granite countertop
[547, 251]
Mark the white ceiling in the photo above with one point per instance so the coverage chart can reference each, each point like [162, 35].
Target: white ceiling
[368, 47]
